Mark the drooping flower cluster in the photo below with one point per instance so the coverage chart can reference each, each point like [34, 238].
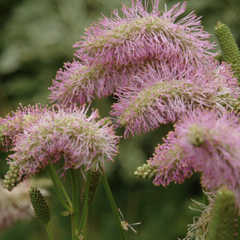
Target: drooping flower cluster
[116, 49]
[15, 205]
[203, 142]
[60, 133]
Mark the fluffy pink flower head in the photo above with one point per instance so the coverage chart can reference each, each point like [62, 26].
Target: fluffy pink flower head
[13, 125]
[160, 97]
[140, 35]
[115, 49]
[210, 144]
[64, 133]
[213, 143]
[80, 83]
[170, 162]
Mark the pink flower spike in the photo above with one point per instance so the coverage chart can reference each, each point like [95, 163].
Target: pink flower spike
[170, 162]
[140, 35]
[68, 134]
[79, 83]
[212, 142]
[157, 97]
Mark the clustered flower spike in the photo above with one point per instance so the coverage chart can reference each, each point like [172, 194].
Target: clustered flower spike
[64, 133]
[40, 206]
[11, 179]
[160, 97]
[170, 162]
[117, 48]
[93, 184]
[206, 142]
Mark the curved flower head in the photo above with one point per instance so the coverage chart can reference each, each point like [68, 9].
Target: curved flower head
[140, 35]
[210, 144]
[117, 48]
[79, 82]
[158, 97]
[64, 133]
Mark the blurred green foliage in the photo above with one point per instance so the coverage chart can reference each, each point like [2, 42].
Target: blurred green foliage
[36, 37]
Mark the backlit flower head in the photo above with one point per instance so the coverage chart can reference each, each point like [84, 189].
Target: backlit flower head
[64, 133]
[160, 97]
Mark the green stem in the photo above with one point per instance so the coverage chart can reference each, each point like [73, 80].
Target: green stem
[113, 205]
[85, 206]
[62, 188]
[49, 232]
[75, 196]
[238, 230]
[85, 225]
[56, 185]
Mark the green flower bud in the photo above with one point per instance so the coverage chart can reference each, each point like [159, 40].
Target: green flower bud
[11, 178]
[145, 171]
[40, 206]
[229, 47]
[94, 180]
[222, 226]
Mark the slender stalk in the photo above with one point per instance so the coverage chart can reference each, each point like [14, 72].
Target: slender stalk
[205, 197]
[85, 225]
[113, 205]
[56, 185]
[85, 206]
[49, 232]
[61, 187]
[75, 197]
[238, 228]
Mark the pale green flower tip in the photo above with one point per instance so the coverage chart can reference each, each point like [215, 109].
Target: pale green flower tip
[145, 175]
[196, 135]
[136, 173]
[219, 25]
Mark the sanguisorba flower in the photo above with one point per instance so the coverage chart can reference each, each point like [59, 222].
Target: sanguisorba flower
[64, 133]
[208, 143]
[15, 205]
[140, 35]
[117, 48]
[11, 126]
[160, 97]
[171, 164]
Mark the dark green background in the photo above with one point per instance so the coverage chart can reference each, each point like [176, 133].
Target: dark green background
[36, 37]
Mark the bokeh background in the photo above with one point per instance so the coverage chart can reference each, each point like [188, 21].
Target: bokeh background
[36, 38]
